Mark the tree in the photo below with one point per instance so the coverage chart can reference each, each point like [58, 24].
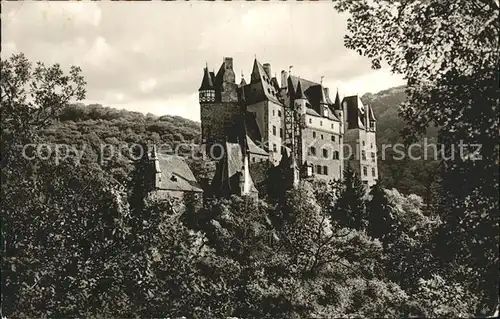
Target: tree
[448, 53]
[380, 220]
[64, 231]
[32, 97]
[349, 210]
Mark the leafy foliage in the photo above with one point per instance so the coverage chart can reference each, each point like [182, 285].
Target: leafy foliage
[448, 53]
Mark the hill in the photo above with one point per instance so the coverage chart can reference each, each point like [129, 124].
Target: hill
[406, 175]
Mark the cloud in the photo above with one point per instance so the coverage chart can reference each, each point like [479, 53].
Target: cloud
[147, 85]
[149, 56]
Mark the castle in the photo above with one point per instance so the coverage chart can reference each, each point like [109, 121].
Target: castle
[291, 121]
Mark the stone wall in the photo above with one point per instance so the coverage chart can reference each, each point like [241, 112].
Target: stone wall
[220, 121]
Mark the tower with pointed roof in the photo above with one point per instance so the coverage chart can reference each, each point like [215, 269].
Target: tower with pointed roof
[220, 109]
[207, 89]
[360, 136]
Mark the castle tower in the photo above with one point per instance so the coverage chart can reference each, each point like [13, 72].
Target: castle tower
[220, 110]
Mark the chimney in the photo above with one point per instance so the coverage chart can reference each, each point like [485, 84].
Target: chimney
[327, 93]
[267, 68]
[284, 79]
[228, 63]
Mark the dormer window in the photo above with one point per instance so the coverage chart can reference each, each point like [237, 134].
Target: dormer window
[325, 112]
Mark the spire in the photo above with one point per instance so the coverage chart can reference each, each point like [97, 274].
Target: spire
[337, 101]
[299, 94]
[243, 82]
[291, 92]
[206, 83]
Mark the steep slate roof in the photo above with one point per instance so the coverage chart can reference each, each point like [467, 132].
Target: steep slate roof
[314, 93]
[312, 112]
[229, 168]
[207, 82]
[265, 80]
[336, 104]
[176, 174]
[254, 149]
[251, 126]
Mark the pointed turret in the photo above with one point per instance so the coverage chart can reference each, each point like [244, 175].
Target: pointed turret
[336, 104]
[299, 93]
[207, 88]
[243, 82]
[206, 83]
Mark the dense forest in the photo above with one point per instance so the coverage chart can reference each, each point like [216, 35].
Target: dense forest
[80, 238]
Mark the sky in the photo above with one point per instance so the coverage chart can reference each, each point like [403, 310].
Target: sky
[149, 56]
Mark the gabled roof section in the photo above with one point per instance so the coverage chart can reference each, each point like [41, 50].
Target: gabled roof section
[176, 175]
[207, 82]
[312, 112]
[254, 149]
[259, 75]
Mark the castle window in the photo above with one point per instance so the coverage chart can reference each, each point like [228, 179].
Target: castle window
[335, 155]
[274, 130]
[373, 171]
[279, 113]
[314, 134]
[363, 143]
[318, 169]
[371, 145]
[325, 170]
[363, 155]
[310, 121]
[325, 153]
[321, 136]
[309, 170]
[268, 91]
[373, 156]
[333, 138]
[312, 150]
[365, 171]
[274, 148]
[273, 113]
[253, 159]
[332, 125]
[320, 123]
[281, 132]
